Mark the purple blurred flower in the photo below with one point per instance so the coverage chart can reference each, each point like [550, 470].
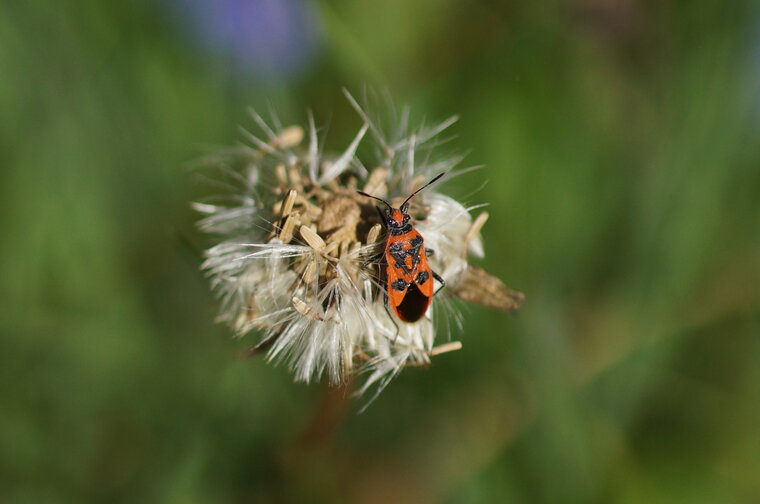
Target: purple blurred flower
[270, 39]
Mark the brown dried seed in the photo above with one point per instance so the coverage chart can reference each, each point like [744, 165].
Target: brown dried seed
[282, 174]
[343, 233]
[306, 310]
[318, 193]
[374, 234]
[310, 273]
[376, 183]
[343, 249]
[286, 234]
[333, 185]
[312, 239]
[332, 249]
[312, 210]
[288, 202]
[446, 347]
[340, 212]
[294, 175]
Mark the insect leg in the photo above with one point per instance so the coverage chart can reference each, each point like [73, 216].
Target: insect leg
[390, 316]
[429, 252]
[374, 259]
[440, 279]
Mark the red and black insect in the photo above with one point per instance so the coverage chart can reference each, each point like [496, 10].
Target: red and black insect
[409, 279]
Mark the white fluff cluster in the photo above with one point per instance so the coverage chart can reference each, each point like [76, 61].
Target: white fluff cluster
[294, 236]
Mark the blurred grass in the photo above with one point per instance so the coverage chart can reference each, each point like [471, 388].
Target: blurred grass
[622, 154]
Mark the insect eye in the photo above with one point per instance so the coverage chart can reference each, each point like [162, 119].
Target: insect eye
[406, 219]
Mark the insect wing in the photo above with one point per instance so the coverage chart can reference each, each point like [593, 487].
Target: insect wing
[414, 304]
[410, 283]
[423, 276]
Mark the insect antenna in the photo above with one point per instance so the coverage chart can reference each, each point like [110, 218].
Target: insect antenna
[378, 199]
[405, 205]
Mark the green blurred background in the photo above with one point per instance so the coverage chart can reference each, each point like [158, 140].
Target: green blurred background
[621, 140]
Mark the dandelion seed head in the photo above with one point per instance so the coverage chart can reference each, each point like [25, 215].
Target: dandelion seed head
[294, 237]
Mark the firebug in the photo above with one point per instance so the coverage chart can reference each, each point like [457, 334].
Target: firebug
[409, 279]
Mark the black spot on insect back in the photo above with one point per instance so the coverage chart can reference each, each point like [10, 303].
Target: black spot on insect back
[422, 277]
[400, 285]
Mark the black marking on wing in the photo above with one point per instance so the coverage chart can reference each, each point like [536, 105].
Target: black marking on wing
[414, 305]
[399, 284]
[422, 277]
[414, 251]
[400, 257]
